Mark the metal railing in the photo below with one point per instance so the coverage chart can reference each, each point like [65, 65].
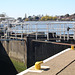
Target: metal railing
[40, 28]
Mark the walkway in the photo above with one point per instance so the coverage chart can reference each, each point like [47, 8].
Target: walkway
[62, 64]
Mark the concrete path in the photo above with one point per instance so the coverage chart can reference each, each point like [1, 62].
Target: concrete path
[63, 64]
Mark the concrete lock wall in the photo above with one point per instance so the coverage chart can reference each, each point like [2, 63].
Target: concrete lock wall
[16, 49]
[43, 50]
[31, 51]
[39, 51]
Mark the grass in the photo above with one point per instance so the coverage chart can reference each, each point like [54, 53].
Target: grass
[18, 65]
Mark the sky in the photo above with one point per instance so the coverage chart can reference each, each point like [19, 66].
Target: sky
[18, 8]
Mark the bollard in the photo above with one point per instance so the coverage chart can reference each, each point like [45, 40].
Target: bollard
[38, 65]
[72, 47]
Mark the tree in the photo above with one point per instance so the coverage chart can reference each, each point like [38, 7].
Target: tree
[30, 18]
[61, 16]
[26, 19]
[2, 15]
[67, 15]
[46, 18]
[43, 18]
[55, 18]
[36, 18]
[19, 18]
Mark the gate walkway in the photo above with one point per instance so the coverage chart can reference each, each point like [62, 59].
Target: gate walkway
[61, 30]
[62, 63]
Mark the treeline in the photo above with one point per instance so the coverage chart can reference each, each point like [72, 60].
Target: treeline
[43, 18]
[46, 18]
[38, 18]
[65, 17]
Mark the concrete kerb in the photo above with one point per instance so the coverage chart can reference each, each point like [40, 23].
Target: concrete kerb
[46, 60]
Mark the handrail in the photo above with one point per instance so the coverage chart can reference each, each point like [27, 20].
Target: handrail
[47, 27]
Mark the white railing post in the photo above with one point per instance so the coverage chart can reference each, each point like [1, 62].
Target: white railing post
[67, 35]
[15, 31]
[64, 31]
[74, 32]
[36, 31]
[60, 31]
[47, 31]
[22, 31]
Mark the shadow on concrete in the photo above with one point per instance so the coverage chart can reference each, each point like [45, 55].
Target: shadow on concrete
[6, 66]
[45, 69]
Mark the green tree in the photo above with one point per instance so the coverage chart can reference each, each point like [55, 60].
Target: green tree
[2, 15]
[30, 18]
[36, 18]
[55, 18]
[47, 18]
[19, 18]
[67, 15]
[26, 19]
[43, 18]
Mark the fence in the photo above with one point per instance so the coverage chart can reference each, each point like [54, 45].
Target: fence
[62, 29]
